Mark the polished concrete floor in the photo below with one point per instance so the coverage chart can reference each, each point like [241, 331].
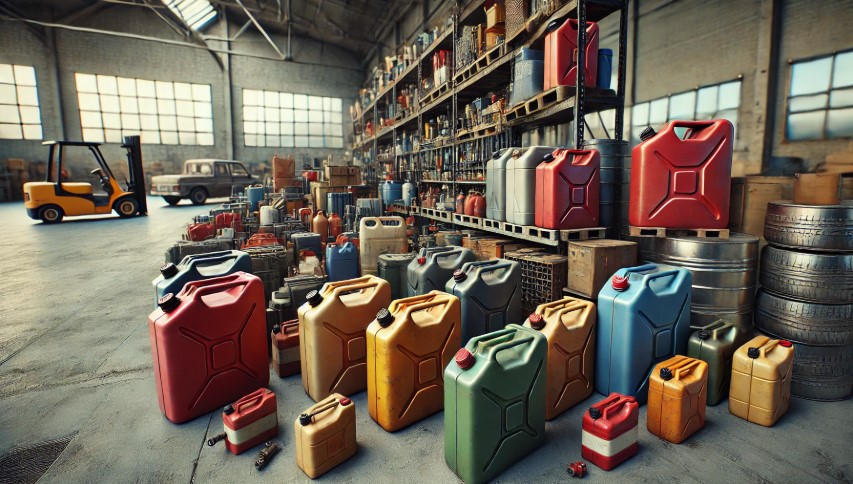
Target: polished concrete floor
[75, 363]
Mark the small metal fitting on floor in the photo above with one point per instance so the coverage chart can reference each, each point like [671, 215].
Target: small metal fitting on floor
[576, 469]
[266, 455]
[216, 438]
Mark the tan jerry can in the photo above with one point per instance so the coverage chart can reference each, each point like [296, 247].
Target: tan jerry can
[332, 345]
[325, 435]
[569, 327]
[408, 347]
[678, 390]
[761, 380]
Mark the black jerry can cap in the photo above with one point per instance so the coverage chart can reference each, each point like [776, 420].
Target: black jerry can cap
[168, 270]
[595, 412]
[384, 317]
[168, 302]
[665, 374]
[647, 133]
[314, 298]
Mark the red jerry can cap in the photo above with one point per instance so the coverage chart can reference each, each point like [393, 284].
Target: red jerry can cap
[344, 401]
[464, 358]
[168, 302]
[459, 276]
[421, 260]
[785, 343]
[536, 321]
[619, 283]
[168, 270]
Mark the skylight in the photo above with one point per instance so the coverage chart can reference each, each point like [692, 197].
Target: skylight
[198, 14]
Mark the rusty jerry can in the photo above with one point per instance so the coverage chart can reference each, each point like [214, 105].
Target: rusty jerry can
[285, 348]
[569, 327]
[678, 389]
[490, 292]
[610, 430]
[408, 346]
[250, 421]
[715, 345]
[332, 324]
[761, 380]
[325, 435]
[433, 267]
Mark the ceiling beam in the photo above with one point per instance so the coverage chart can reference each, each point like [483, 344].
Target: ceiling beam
[9, 10]
[178, 23]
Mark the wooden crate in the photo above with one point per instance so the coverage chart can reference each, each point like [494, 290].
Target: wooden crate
[592, 262]
[543, 276]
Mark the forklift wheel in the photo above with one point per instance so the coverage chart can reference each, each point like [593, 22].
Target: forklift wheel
[51, 214]
[126, 207]
[198, 196]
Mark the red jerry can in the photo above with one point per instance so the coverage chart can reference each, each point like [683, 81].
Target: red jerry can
[285, 348]
[209, 343]
[475, 204]
[567, 189]
[681, 176]
[199, 232]
[260, 240]
[609, 435]
[250, 421]
[561, 55]
[229, 220]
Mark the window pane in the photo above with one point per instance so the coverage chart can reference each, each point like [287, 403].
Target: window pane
[315, 116]
[7, 75]
[250, 140]
[271, 128]
[327, 104]
[165, 91]
[810, 76]
[337, 117]
[147, 106]
[145, 88]
[169, 137]
[150, 137]
[250, 113]
[315, 142]
[93, 135]
[337, 105]
[126, 87]
[187, 138]
[205, 139]
[107, 85]
[168, 123]
[32, 131]
[315, 103]
[201, 92]
[90, 119]
[250, 127]
[843, 75]
[128, 104]
[185, 108]
[286, 115]
[640, 114]
[165, 106]
[270, 99]
[183, 91]
[112, 136]
[111, 121]
[271, 141]
[204, 125]
[250, 97]
[271, 114]
[130, 122]
[805, 125]
[300, 101]
[840, 123]
[286, 100]
[806, 103]
[86, 82]
[148, 122]
[287, 128]
[658, 111]
[30, 115]
[729, 95]
[8, 94]
[706, 102]
[186, 124]
[315, 129]
[333, 130]
[25, 76]
[841, 98]
[203, 109]
[300, 128]
[681, 106]
[110, 104]
[301, 141]
[27, 96]
[89, 102]
[300, 116]
[336, 143]
[287, 141]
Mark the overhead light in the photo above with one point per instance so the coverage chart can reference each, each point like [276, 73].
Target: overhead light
[197, 14]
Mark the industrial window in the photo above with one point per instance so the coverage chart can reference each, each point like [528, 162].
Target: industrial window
[168, 113]
[285, 120]
[820, 99]
[20, 117]
[719, 101]
[197, 14]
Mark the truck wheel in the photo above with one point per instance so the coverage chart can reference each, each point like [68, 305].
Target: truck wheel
[51, 214]
[126, 207]
[172, 200]
[198, 196]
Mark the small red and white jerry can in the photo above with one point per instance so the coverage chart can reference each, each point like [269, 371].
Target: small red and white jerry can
[610, 431]
[250, 421]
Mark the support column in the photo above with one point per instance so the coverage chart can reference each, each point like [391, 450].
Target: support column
[766, 84]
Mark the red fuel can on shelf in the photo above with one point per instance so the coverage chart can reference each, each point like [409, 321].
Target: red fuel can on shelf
[250, 421]
[567, 189]
[285, 348]
[610, 431]
[561, 54]
[681, 176]
[228, 220]
[199, 232]
[208, 344]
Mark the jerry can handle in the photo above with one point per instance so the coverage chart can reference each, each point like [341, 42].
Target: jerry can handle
[612, 409]
[509, 344]
[638, 269]
[686, 369]
[198, 292]
[336, 291]
[675, 273]
[553, 305]
[250, 400]
[485, 338]
[193, 286]
[408, 310]
[209, 255]
[290, 326]
[691, 125]
[213, 260]
[402, 304]
[573, 306]
[446, 253]
[768, 347]
[331, 285]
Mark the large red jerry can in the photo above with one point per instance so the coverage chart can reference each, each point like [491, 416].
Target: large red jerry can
[250, 421]
[561, 57]
[209, 343]
[567, 189]
[609, 435]
[681, 176]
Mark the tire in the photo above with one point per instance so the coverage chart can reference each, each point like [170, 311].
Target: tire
[172, 200]
[198, 196]
[803, 322]
[810, 227]
[811, 277]
[126, 207]
[51, 214]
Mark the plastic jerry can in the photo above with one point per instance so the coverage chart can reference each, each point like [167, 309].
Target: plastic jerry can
[715, 344]
[200, 231]
[408, 346]
[341, 261]
[475, 204]
[320, 226]
[332, 324]
[643, 319]
[228, 220]
[569, 327]
[490, 292]
[199, 266]
[678, 389]
[250, 421]
[681, 176]
[433, 267]
[496, 183]
[567, 189]
[610, 429]
[521, 185]
[208, 343]
[761, 380]
[393, 268]
[285, 348]
[303, 241]
[380, 235]
[325, 435]
[335, 226]
[494, 393]
[561, 56]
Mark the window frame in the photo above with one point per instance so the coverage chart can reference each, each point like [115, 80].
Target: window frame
[16, 105]
[295, 117]
[826, 109]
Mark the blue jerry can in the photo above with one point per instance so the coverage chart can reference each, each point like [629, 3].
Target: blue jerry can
[196, 267]
[342, 262]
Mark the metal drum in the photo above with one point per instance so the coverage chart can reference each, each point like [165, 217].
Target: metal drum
[613, 163]
[725, 272]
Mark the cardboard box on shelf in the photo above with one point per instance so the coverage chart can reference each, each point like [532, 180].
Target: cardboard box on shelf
[592, 262]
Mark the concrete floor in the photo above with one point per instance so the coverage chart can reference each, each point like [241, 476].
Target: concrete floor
[75, 361]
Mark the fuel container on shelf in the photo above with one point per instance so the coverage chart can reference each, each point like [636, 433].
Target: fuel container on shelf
[433, 267]
[490, 295]
[610, 431]
[715, 344]
[761, 380]
[200, 231]
[250, 421]
[285, 348]
[678, 389]
[324, 435]
[341, 261]
[194, 267]
[567, 189]
[561, 55]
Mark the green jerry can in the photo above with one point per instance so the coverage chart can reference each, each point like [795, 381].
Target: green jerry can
[494, 402]
[715, 344]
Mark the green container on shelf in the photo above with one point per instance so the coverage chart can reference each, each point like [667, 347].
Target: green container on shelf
[715, 344]
[494, 402]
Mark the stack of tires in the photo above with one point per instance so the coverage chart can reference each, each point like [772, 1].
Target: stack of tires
[807, 293]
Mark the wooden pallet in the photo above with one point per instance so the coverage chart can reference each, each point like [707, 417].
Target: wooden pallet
[468, 219]
[663, 232]
[583, 234]
[545, 99]
[517, 111]
[547, 234]
[435, 94]
[480, 64]
[479, 131]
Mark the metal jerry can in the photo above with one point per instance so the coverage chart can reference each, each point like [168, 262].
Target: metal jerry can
[567, 189]
[325, 435]
[681, 176]
[408, 346]
[496, 183]
[199, 266]
[380, 235]
[393, 268]
[715, 344]
[285, 348]
[494, 393]
[761, 380]
[433, 267]
[521, 185]
[341, 261]
[208, 344]
[332, 324]
[643, 319]
[678, 389]
[610, 431]
[250, 421]
[490, 292]
[569, 327]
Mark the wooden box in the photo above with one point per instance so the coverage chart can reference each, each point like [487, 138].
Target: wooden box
[817, 188]
[592, 262]
[283, 167]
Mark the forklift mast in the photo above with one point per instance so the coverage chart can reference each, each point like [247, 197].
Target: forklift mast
[136, 183]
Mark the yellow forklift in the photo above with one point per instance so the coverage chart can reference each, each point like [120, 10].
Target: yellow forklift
[54, 198]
